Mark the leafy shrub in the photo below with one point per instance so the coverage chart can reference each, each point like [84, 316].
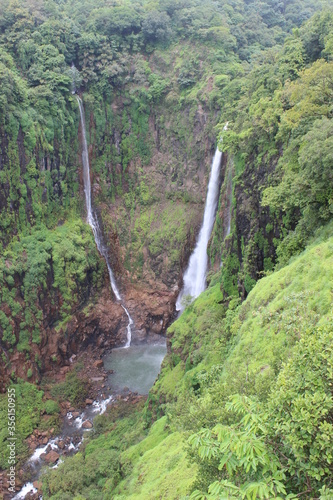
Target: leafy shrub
[51, 407]
[75, 388]
[28, 406]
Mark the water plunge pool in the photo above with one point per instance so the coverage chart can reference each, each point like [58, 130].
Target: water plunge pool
[136, 367]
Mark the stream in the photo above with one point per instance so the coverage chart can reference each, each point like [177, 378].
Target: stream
[134, 369]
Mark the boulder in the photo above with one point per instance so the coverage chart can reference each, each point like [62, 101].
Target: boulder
[87, 424]
[37, 485]
[99, 363]
[51, 457]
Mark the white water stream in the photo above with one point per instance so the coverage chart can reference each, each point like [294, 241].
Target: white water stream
[93, 222]
[27, 488]
[98, 407]
[195, 275]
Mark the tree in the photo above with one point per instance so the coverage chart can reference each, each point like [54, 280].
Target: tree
[156, 27]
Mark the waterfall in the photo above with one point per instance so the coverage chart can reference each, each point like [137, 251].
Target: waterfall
[93, 222]
[195, 275]
[229, 201]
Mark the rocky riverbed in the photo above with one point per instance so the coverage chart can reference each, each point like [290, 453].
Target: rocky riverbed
[109, 382]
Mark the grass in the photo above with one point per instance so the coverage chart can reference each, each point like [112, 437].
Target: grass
[217, 351]
[162, 469]
[29, 406]
[279, 309]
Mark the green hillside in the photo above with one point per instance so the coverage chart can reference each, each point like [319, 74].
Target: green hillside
[243, 405]
[248, 387]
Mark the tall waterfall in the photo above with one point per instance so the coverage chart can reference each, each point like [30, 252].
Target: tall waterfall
[93, 222]
[195, 275]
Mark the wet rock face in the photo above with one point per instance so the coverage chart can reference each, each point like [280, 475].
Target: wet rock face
[169, 192]
[250, 227]
[103, 325]
[251, 232]
[152, 311]
[150, 228]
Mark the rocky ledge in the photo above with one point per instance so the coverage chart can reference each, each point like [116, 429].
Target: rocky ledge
[102, 325]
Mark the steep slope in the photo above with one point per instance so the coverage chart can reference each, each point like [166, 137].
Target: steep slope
[279, 144]
[215, 354]
[158, 82]
[153, 79]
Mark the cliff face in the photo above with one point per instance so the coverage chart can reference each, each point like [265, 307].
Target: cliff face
[151, 142]
[152, 225]
[104, 327]
[150, 199]
[149, 174]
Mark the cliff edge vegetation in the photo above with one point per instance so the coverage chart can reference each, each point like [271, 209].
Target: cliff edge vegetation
[242, 408]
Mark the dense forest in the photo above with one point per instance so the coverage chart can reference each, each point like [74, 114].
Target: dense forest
[243, 406]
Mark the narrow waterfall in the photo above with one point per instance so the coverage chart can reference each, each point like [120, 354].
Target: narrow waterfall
[195, 275]
[93, 222]
[228, 206]
[229, 201]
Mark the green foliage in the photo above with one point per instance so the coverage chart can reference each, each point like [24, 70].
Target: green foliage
[75, 388]
[47, 265]
[156, 26]
[280, 125]
[99, 467]
[28, 407]
[164, 463]
[301, 409]
[51, 407]
[206, 63]
[285, 445]
[251, 383]
[229, 275]
[242, 453]
[241, 352]
[152, 73]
